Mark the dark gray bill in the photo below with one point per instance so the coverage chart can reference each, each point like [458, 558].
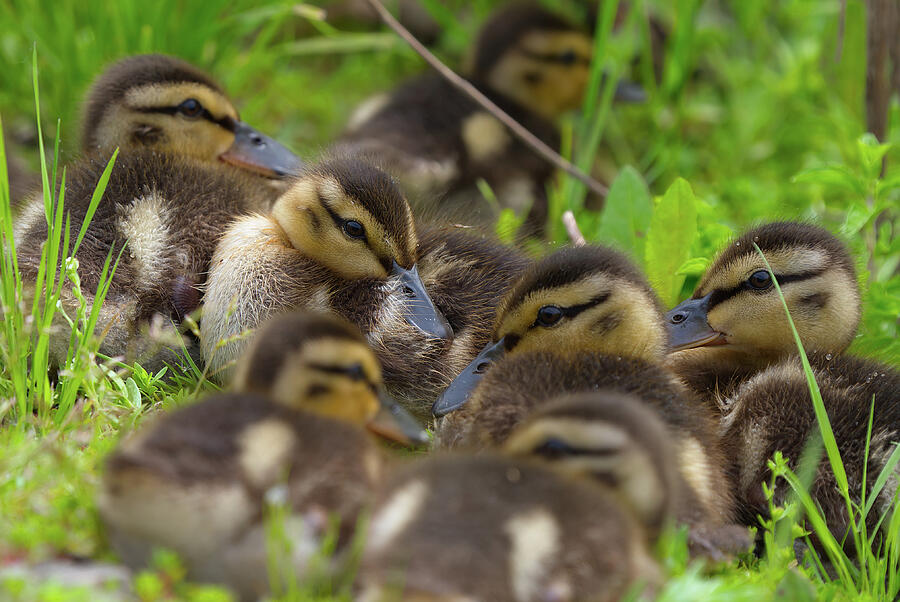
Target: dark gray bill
[460, 390]
[421, 312]
[396, 424]
[256, 152]
[688, 326]
[627, 91]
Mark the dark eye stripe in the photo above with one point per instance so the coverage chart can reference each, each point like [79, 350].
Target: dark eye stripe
[574, 310]
[225, 122]
[549, 57]
[722, 295]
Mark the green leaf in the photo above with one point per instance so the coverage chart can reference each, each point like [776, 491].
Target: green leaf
[835, 176]
[673, 228]
[508, 223]
[693, 266]
[626, 214]
[133, 393]
[858, 215]
[871, 153]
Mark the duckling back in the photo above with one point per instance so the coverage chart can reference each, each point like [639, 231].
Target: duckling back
[164, 214]
[487, 528]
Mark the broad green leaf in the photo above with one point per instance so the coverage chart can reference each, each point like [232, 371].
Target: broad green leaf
[834, 176]
[673, 228]
[693, 266]
[858, 215]
[626, 214]
[133, 393]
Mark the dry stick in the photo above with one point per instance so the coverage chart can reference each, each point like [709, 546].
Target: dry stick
[517, 129]
[575, 235]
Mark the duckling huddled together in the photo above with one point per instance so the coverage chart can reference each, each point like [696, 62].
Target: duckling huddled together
[574, 421]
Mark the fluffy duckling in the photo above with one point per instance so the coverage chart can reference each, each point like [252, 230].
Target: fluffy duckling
[197, 480]
[582, 319]
[734, 324]
[772, 411]
[163, 214]
[617, 440]
[484, 528]
[438, 142]
[159, 102]
[343, 240]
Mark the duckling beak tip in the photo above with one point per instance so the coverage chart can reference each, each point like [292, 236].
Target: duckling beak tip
[258, 153]
[460, 390]
[422, 312]
[688, 326]
[394, 423]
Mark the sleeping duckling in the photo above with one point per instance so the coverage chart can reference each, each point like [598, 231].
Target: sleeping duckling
[772, 411]
[579, 320]
[482, 528]
[197, 480]
[620, 442]
[734, 325]
[163, 214]
[153, 101]
[438, 142]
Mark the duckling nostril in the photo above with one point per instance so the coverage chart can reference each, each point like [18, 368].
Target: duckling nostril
[408, 291]
[678, 318]
[258, 140]
[480, 368]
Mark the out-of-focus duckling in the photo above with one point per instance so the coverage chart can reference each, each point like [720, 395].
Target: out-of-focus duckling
[197, 480]
[620, 442]
[491, 528]
[166, 212]
[582, 319]
[438, 142]
[342, 239]
[772, 411]
[734, 325]
[165, 104]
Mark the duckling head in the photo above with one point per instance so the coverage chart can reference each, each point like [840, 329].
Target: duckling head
[320, 364]
[584, 299]
[736, 311]
[534, 57]
[350, 217]
[609, 437]
[160, 102]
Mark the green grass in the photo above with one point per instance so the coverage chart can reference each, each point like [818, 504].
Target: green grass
[752, 119]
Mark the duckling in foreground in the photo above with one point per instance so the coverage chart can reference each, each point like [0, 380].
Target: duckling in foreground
[487, 528]
[153, 101]
[438, 142]
[772, 411]
[160, 217]
[734, 324]
[197, 480]
[579, 320]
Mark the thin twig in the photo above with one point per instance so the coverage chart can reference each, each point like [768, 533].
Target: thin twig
[575, 235]
[517, 129]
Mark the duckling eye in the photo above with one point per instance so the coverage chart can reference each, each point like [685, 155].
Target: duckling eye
[552, 449]
[567, 58]
[549, 315]
[355, 372]
[190, 108]
[354, 229]
[760, 280]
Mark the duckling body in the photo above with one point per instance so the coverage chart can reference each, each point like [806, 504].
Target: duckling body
[198, 480]
[772, 411]
[579, 320]
[438, 142]
[490, 528]
[163, 213]
[299, 257]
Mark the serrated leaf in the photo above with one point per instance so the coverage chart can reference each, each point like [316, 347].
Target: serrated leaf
[836, 176]
[672, 230]
[626, 214]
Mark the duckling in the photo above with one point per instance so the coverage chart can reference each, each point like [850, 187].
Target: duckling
[578, 320]
[153, 101]
[438, 142]
[343, 239]
[734, 324]
[458, 528]
[619, 441]
[163, 214]
[772, 411]
[197, 480]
